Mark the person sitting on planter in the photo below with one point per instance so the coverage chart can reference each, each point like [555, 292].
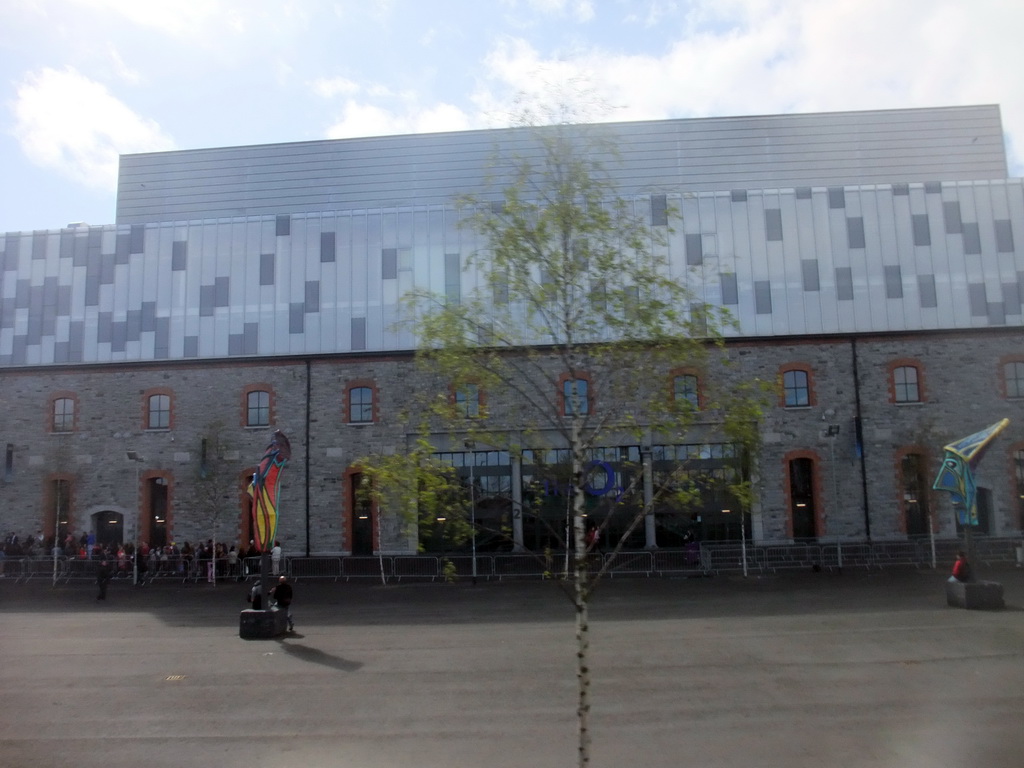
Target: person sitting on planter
[961, 568]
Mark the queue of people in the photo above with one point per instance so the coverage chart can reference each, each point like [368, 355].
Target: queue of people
[203, 560]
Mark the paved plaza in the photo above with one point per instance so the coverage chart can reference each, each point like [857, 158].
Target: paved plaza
[803, 670]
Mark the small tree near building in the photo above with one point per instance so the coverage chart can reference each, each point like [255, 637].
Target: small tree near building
[562, 339]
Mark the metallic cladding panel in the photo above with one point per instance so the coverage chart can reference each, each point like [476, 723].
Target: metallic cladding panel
[710, 154]
[216, 288]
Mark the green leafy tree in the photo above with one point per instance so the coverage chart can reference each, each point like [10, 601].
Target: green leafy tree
[572, 319]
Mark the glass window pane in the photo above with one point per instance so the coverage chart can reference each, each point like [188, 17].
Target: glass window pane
[467, 401]
[574, 392]
[360, 405]
[1015, 379]
[796, 388]
[258, 409]
[63, 414]
[905, 381]
[159, 412]
[686, 389]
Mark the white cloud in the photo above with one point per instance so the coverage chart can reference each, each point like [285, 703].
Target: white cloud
[579, 10]
[329, 87]
[122, 70]
[175, 17]
[738, 57]
[362, 119]
[72, 124]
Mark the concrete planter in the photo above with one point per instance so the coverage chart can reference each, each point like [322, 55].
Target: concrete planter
[261, 625]
[975, 595]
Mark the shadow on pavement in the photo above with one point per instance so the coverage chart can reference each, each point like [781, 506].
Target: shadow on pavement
[315, 655]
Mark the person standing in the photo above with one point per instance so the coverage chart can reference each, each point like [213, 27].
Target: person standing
[103, 576]
[232, 562]
[275, 558]
[255, 597]
[283, 593]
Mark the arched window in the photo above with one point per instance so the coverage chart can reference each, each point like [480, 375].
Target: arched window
[158, 411]
[63, 413]
[904, 382]
[1013, 378]
[360, 402]
[797, 389]
[467, 400]
[257, 408]
[685, 388]
[576, 395]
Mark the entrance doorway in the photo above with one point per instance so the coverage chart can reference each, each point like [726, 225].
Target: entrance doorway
[915, 497]
[361, 507]
[109, 527]
[801, 491]
[157, 512]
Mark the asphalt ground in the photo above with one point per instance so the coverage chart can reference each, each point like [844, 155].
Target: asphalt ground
[810, 669]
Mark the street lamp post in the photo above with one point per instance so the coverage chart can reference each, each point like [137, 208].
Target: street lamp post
[134, 457]
[833, 434]
[472, 502]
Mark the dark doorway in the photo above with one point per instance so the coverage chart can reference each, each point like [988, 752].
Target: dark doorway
[109, 527]
[984, 502]
[362, 516]
[245, 526]
[157, 497]
[801, 491]
[984, 511]
[915, 497]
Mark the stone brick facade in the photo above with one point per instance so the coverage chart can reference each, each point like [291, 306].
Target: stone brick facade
[857, 484]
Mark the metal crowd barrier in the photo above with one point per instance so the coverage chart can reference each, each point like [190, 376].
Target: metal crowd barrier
[708, 558]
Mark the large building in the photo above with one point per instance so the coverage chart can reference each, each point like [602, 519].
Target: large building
[873, 261]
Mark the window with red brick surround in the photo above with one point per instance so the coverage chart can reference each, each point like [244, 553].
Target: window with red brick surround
[62, 412]
[906, 381]
[1011, 376]
[685, 384]
[158, 408]
[258, 405]
[581, 380]
[797, 382]
[361, 402]
[468, 399]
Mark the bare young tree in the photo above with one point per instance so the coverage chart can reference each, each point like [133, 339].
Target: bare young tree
[572, 318]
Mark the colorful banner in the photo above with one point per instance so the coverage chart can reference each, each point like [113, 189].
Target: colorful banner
[957, 473]
[265, 491]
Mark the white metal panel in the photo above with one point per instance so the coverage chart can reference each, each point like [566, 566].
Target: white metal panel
[819, 305]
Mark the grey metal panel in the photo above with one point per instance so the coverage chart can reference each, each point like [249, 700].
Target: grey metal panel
[855, 231]
[773, 224]
[972, 238]
[711, 154]
[763, 297]
[1004, 235]
[809, 272]
[978, 299]
[204, 310]
[893, 282]
[926, 291]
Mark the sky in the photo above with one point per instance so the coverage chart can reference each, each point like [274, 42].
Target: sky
[84, 81]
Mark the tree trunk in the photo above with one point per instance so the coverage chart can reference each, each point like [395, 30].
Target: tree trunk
[581, 599]
[582, 663]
